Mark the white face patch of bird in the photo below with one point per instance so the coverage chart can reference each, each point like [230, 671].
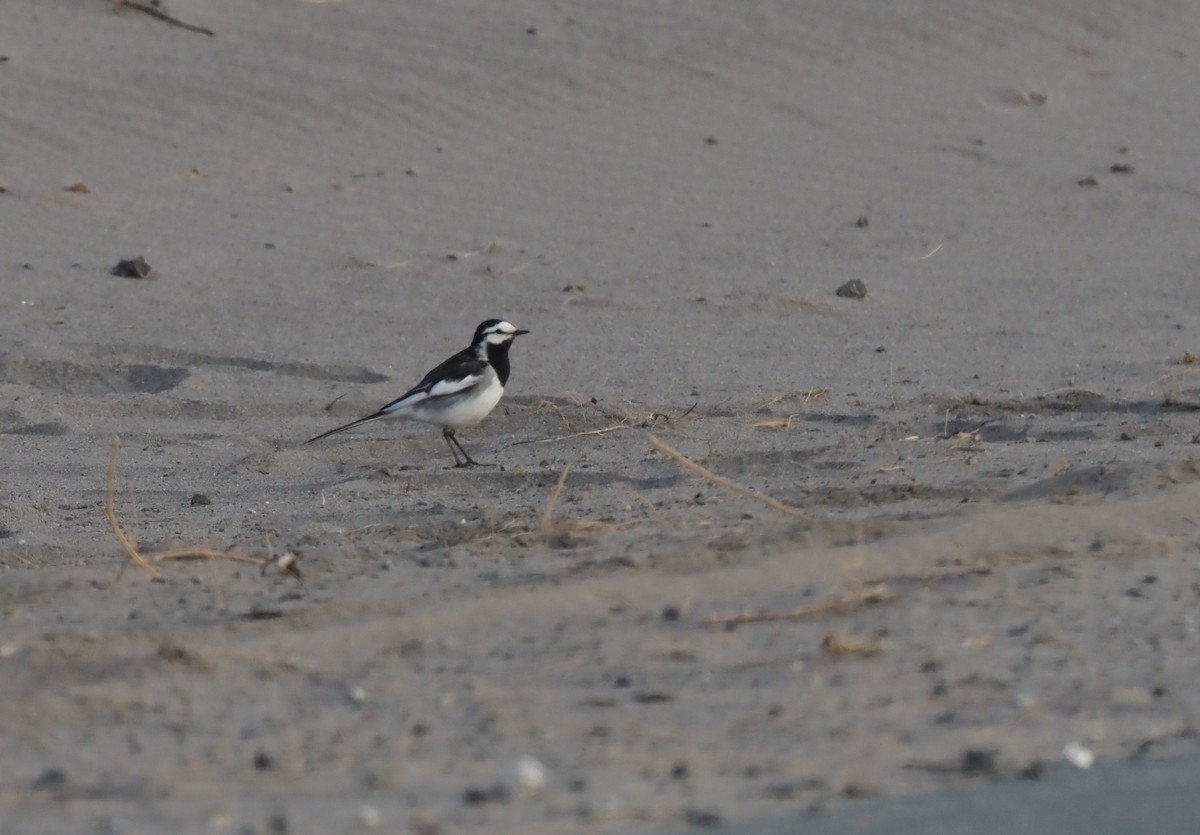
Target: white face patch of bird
[502, 332]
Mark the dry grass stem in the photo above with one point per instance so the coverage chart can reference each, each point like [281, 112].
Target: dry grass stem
[869, 596]
[774, 423]
[285, 562]
[835, 644]
[603, 431]
[207, 660]
[111, 514]
[548, 514]
[732, 486]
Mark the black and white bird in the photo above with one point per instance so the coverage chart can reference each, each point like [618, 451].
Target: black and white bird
[460, 392]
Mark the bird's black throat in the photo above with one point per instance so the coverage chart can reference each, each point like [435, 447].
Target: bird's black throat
[497, 355]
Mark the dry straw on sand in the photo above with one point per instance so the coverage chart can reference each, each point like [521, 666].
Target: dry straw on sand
[285, 562]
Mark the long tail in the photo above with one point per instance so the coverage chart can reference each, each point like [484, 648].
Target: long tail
[350, 425]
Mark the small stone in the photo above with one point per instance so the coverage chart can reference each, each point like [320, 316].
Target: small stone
[1078, 755]
[1121, 168]
[369, 817]
[863, 222]
[200, 500]
[51, 778]
[680, 770]
[853, 289]
[1089, 182]
[133, 268]
[356, 695]
[670, 613]
[702, 818]
[1032, 771]
[523, 778]
[980, 761]
[476, 796]
[263, 761]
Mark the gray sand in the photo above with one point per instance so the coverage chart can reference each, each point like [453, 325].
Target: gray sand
[999, 440]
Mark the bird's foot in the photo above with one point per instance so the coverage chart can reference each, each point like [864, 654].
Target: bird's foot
[470, 462]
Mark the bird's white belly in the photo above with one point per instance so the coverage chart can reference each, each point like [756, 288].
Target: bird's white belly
[456, 412]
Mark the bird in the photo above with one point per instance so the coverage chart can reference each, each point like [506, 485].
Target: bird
[460, 392]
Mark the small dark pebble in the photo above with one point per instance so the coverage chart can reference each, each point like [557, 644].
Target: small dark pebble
[711, 140]
[863, 222]
[680, 771]
[563, 540]
[702, 818]
[1089, 182]
[200, 500]
[670, 613]
[530, 30]
[881, 350]
[263, 761]
[420, 729]
[1121, 168]
[853, 289]
[263, 614]
[980, 761]
[1125, 436]
[476, 796]
[51, 778]
[652, 697]
[1033, 771]
[853, 790]
[132, 268]
[621, 681]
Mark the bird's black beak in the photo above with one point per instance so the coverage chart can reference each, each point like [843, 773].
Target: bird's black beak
[519, 332]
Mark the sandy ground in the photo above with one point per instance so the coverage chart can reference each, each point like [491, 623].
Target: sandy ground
[997, 445]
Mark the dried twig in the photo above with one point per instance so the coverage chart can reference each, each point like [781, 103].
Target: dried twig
[159, 14]
[835, 644]
[750, 493]
[558, 488]
[285, 562]
[603, 431]
[111, 513]
[205, 660]
[868, 596]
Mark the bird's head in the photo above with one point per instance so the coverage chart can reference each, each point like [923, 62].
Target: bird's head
[495, 332]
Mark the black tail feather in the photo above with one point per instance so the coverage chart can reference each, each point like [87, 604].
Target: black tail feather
[350, 425]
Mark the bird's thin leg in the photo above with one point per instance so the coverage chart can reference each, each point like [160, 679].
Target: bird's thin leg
[449, 436]
[468, 461]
